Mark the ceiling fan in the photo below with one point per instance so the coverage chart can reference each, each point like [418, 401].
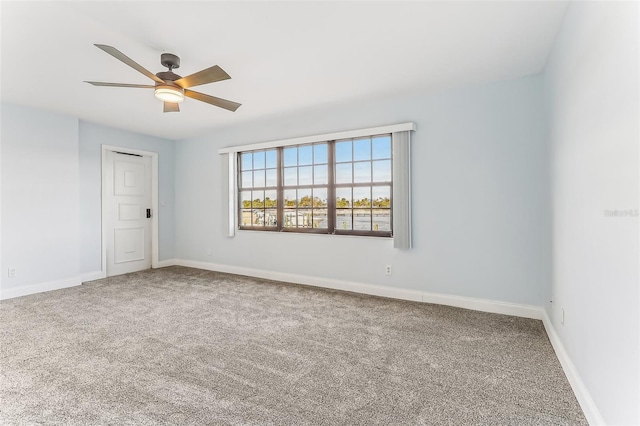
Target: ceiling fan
[169, 87]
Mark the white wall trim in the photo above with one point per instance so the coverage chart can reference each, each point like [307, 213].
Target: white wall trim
[321, 138]
[39, 288]
[583, 396]
[154, 201]
[484, 305]
[165, 263]
[92, 276]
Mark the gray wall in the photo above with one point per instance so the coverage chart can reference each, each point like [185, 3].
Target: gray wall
[92, 137]
[480, 197]
[39, 196]
[51, 195]
[592, 87]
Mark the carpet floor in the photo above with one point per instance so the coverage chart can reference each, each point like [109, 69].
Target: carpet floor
[183, 346]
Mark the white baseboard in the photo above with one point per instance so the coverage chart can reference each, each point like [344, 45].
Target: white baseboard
[92, 276]
[165, 263]
[39, 288]
[484, 305]
[583, 396]
[98, 275]
[526, 311]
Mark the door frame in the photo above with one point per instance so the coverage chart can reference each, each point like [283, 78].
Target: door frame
[154, 201]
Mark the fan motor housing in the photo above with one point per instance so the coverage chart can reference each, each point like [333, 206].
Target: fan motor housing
[170, 60]
[168, 76]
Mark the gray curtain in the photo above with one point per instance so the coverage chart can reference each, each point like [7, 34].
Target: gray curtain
[402, 189]
[228, 212]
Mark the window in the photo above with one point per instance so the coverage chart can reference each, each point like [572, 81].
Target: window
[259, 189]
[340, 186]
[363, 184]
[354, 182]
[306, 187]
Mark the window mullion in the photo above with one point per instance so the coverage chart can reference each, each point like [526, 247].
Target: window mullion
[331, 187]
[239, 190]
[280, 190]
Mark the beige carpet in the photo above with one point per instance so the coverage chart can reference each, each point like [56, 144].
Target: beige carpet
[184, 346]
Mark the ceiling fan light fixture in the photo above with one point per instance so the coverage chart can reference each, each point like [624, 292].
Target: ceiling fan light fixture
[169, 94]
[171, 88]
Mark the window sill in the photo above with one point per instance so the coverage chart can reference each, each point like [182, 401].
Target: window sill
[315, 234]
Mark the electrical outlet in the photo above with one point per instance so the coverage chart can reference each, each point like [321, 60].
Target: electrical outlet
[562, 317]
[11, 273]
[209, 252]
[387, 270]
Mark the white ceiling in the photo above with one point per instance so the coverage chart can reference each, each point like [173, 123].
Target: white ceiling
[282, 56]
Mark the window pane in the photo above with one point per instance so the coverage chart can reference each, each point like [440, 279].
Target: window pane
[362, 197]
[382, 171]
[343, 173]
[246, 160]
[247, 180]
[271, 217]
[257, 198]
[362, 219]
[245, 220]
[291, 176]
[304, 175]
[320, 197]
[320, 175]
[245, 198]
[291, 156]
[343, 197]
[381, 196]
[258, 178]
[343, 151]
[320, 155]
[382, 220]
[271, 199]
[257, 218]
[362, 149]
[258, 160]
[362, 172]
[271, 159]
[272, 177]
[290, 198]
[290, 218]
[343, 219]
[305, 218]
[320, 218]
[304, 198]
[382, 147]
[305, 155]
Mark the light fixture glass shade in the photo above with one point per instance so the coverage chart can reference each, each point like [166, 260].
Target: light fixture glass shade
[170, 94]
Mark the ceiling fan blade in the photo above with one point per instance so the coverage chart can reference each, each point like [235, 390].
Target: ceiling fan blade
[209, 75]
[142, 86]
[124, 58]
[219, 102]
[171, 107]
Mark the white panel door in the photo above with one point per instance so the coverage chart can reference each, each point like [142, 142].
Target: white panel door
[128, 190]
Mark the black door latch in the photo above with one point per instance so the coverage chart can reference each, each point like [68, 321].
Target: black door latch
[148, 213]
